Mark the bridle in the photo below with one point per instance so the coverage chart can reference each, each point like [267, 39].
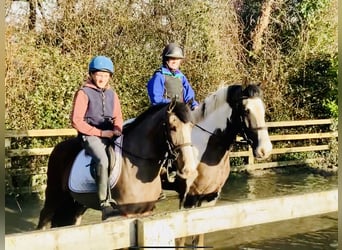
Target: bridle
[173, 150]
[242, 118]
[244, 129]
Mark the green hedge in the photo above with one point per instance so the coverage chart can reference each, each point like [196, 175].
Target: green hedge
[46, 66]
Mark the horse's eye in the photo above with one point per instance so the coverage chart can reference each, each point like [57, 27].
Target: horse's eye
[247, 111]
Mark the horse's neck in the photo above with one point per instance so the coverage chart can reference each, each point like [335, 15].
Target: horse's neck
[213, 114]
[143, 139]
[215, 118]
[211, 104]
[214, 111]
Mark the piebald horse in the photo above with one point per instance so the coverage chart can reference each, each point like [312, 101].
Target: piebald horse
[162, 133]
[230, 111]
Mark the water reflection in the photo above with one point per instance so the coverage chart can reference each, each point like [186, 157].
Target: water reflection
[243, 187]
[314, 232]
[21, 214]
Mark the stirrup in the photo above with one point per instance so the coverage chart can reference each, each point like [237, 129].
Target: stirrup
[105, 203]
[162, 196]
[171, 176]
[109, 199]
[108, 203]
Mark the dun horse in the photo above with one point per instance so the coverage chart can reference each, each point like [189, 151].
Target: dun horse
[230, 111]
[160, 134]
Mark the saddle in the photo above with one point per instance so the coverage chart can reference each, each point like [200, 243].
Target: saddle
[82, 175]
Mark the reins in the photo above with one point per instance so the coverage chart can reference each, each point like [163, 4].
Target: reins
[203, 129]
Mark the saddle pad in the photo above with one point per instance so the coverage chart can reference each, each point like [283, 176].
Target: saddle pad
[80, 179]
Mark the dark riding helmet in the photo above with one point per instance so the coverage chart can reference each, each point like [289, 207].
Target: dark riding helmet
[172, 50]
[101, 63]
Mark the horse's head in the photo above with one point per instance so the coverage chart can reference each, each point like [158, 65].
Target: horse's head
[250, 111]
[179, 127]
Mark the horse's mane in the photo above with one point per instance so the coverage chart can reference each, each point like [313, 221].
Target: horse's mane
[151, 110]
[213, 101]
[230, 94]
[252, 90]
[181, 110]
[236, 92]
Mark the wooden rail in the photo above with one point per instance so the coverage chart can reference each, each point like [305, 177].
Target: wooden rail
[160, 230]
[72, 132]
[107, 235]
[288, 139]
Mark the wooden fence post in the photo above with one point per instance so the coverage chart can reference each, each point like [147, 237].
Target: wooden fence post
[155, 233]
[8, 165]
[250, 156]
[7, 159]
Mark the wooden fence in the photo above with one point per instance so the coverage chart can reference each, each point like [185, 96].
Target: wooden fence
[160, 230]
[288, 137]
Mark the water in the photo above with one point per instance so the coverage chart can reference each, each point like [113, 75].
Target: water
[315, 232]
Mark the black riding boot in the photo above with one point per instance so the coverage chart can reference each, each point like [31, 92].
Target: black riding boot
[102, 185]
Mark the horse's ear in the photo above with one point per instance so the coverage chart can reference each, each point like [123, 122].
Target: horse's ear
[172, 104]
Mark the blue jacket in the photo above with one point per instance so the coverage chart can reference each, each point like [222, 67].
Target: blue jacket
[156, 87]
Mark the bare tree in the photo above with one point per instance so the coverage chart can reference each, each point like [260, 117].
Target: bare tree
[261, 27]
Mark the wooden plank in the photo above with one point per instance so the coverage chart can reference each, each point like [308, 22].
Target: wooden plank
[72, 132]
[222, 217]
[285, 150]
[28, 152]
[114, 234]
[299, 123]
[303, 136]
[47, 151]
[40, 133]
[239, 153]
[30, 171]
[300, 149]
[266, 165]
[153, 234]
